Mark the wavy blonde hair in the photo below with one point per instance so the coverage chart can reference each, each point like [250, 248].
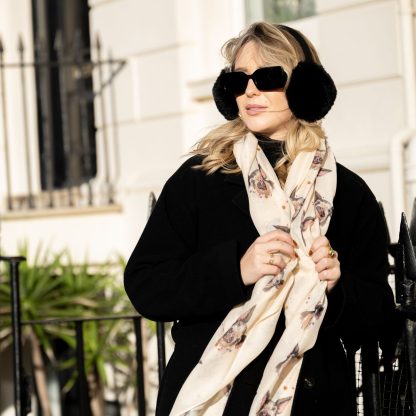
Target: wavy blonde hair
[275, 46]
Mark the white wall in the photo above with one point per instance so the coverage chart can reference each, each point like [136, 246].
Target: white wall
[172, 56]
[360, 45]
[163, 96]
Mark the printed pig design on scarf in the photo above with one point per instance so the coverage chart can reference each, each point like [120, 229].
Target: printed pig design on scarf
[297, 202]
[259, 184]
[318, 159]
[235, 336]
[323, 208]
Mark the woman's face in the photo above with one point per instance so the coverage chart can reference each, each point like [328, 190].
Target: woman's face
[265, 112]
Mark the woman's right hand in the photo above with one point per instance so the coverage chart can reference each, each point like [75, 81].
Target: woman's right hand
[268, 255]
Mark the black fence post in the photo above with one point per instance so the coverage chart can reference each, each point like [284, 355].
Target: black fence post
[141, 403]
[410, 333]
[371, 379]
[20, 393]
[82, 381]
[408, 304]
[161, 349]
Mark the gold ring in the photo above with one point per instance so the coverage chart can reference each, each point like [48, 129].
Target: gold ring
[331, 252]
[271, 259]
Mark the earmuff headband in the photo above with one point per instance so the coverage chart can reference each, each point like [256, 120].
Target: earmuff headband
[300, 40]
[310, 93]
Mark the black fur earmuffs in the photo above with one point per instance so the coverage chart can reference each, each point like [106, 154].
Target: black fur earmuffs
[311, 92]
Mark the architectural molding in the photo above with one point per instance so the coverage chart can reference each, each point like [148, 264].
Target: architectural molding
[364, 158]
[201, 89]
[35, 214]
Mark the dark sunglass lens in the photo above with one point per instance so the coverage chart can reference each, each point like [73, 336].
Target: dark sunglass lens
[235, 82]
[270, 78]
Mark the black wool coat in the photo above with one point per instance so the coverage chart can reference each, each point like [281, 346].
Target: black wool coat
[186, 269]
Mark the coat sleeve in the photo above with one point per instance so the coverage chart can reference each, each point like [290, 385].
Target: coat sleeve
[168, 276]
[362, 304]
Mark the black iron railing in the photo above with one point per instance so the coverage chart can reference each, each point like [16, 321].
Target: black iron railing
[388, 386]
[21, 391]
[68, 151]
[391, 391]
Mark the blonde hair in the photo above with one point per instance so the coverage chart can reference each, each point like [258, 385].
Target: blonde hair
[275, 46]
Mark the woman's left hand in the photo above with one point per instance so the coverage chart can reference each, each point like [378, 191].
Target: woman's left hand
[326, 261]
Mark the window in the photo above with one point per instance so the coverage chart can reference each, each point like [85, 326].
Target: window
[64, 93]
[278, 11]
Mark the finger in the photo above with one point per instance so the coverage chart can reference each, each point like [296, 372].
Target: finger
[271, 270]
[324, 275]
[276, 235]
[329, 275]
[279, 247]
[275, 260]
[321, 241]
[326, 264]
[320, 253]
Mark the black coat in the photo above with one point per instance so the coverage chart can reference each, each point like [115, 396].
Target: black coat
[186, 268]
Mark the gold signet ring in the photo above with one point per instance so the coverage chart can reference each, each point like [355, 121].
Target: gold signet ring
[271, 259]
[331, 252]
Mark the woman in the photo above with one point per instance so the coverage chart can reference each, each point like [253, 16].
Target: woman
[263, 250]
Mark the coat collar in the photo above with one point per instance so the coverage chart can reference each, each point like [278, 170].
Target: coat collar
[240, 199]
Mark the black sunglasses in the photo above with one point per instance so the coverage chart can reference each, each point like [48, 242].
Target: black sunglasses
[265, 79]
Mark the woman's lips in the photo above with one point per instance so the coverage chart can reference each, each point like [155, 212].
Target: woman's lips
[253, 109]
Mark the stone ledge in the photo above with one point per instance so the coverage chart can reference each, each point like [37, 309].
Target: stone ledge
[60, 212]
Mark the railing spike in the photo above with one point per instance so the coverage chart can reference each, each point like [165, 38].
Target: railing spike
[98, 42]
[409, 253]
[21, 46]
[152, 203]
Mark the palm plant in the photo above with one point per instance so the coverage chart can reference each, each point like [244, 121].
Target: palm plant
[53, 287]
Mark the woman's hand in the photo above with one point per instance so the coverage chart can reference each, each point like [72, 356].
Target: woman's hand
[327, 266]
[268, 255]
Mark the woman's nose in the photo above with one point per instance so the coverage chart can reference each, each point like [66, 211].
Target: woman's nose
[251, 88]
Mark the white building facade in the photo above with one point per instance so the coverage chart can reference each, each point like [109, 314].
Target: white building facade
[160, 104]
[171, 50]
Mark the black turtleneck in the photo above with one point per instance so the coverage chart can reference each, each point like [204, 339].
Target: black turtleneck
[273, 149]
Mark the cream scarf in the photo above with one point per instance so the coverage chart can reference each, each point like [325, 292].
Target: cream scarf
[303, 208]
